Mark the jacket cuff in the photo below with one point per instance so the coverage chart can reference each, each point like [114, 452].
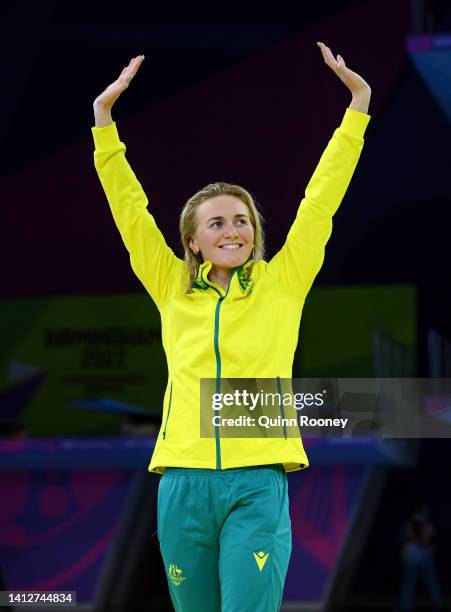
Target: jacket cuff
[105, 138]
[354, 122]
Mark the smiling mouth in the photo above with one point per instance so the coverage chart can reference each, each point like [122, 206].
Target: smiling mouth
[231, 247]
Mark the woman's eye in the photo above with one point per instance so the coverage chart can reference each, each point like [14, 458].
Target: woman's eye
[216, 224]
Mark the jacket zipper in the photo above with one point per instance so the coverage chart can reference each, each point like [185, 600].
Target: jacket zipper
[282, 411]
[218, 365]
[169, 412]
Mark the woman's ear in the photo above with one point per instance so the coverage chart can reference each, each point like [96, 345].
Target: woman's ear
[193, 246]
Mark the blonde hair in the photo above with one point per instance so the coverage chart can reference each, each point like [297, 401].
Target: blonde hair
[188, 223]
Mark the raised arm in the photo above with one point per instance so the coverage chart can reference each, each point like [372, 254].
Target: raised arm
[152, 260]
[301, 257]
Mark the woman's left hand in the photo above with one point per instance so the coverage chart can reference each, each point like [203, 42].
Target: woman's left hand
[356, 85]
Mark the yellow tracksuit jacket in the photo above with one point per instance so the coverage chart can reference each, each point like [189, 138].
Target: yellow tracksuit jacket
[250, 330]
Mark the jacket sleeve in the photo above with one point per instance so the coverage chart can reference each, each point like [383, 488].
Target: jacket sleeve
[152, 260]
[302, 255]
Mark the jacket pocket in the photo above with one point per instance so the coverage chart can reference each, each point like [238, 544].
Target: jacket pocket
[168, 413]
[282, 410]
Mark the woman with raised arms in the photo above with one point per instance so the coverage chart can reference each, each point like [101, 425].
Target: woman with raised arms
[223, 517]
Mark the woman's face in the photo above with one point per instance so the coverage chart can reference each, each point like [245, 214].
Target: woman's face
[224, 232]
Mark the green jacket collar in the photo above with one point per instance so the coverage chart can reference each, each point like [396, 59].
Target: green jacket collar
[244, 274]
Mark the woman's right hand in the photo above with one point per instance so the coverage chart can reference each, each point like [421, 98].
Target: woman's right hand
[108, 97]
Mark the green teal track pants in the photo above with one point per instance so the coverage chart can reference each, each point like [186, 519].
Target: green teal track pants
[225, 537]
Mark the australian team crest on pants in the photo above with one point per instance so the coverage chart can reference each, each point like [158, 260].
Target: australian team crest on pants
[176, 574]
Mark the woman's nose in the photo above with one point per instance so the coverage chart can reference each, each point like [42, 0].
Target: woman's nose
[230, 230]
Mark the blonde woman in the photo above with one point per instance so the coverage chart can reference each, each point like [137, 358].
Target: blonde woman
[223, 518]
